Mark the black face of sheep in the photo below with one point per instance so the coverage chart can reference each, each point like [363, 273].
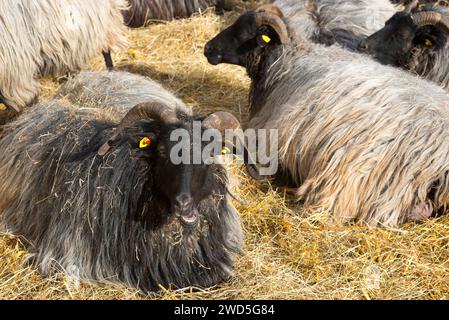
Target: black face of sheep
[181, 188]
[252, 33]
[402, 33]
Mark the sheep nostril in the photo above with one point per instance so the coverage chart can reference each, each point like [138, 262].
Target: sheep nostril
[207, 49]
[363, 46]
[183, 204]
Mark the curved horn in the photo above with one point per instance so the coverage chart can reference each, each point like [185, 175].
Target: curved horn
[272, 16]
[225, 120]
[271, 9]
[427, 18]
[222, 121]
[311, 6]
[412, 6]
[148, 110]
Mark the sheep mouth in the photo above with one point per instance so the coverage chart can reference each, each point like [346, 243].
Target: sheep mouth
[190, 219]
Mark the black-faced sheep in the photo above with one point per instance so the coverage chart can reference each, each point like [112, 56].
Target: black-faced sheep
[140, 12]
[362, 141]
[415, 41]
[53, 37]
[131, 216]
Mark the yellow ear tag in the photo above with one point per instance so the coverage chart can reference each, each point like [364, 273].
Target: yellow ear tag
[145, 143]
[265, 38]
[225, 151]
[428, 43]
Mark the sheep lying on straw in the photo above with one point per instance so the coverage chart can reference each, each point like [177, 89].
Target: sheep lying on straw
[140, 12]
[362, 141]
[131, 216]
[415, 41]
[52, 37]
[342, 21]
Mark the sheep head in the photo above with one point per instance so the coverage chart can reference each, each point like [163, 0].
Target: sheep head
[405, 31]
[154, 131]
[253, 32]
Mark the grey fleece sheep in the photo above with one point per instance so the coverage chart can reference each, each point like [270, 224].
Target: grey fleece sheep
[52, 37]
[416, 41]
[141, 12]
[131, 216]
[343, 21]
[364, 142]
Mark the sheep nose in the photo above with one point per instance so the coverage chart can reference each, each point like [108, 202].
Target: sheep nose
[207, 49]
[363, 46]
[183, 204]
[213, 55]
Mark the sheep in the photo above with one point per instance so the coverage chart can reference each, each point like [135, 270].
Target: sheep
[344, 22]
[130, 216]
[415, 41]
[51, 38]
[362, 141]
[140, 12]
[115, 91]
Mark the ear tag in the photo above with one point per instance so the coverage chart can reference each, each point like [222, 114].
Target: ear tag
[428, 43]
[266, 38]
[263, 40]
[225, 151]
[145, 143]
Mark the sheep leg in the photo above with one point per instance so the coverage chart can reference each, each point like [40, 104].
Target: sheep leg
[108, 60]
[422, 212]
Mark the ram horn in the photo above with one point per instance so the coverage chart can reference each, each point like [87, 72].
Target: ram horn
[311, 6]
[426, 18]
[223, 121]
[272, 16]
[412, 6]
[143, 111]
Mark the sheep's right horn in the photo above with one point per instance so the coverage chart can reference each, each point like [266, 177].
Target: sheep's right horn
[143, 111]
[272, 16]
[222, 121]
[427, 18]
[412, 6]
[311, 6]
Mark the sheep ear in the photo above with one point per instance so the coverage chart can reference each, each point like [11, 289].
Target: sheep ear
[263, 40]
[145, 141]
[435, 39]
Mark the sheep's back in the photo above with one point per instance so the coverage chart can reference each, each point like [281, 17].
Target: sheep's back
[141, 12]
[116, 91]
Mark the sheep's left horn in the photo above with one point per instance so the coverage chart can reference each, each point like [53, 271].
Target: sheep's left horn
[412, 6]
[222, 121]
[143, 111]
[311, 6]
[272, 16]
[427, 18]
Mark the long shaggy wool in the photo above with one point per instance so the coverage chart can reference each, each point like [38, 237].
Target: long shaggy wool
[52, 37]
[115, 91]
[141, 12]
[89, 216]
[365, 142]
[347, 20]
